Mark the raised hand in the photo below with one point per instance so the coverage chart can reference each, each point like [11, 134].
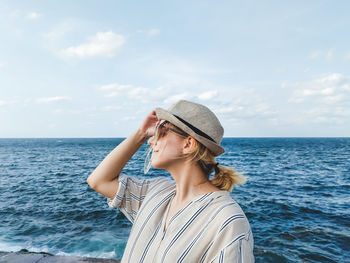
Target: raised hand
[149, 124]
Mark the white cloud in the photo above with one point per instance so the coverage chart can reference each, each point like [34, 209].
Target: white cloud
[115, 86]
[330, 54]
[138, 93]
[327, 54]
[326, 99]
[2, 102]
[114, 89]
[134, 94]
[126, 118]
[239, 104]
[8, 102]
[336, 115]
[180, 74]
[174, 98]
[315, 54]
[59, 111]
[52, 99]
[23, 14]
[111, 108]
[52, 126]
[112, 94]
[33, 15]
[90, 110]
[103, 44]
[347, 57]
[61, 29]
[226, 109]
[182, 79]
[153, 32]
[330, 89]
[207, 95]
[243, 107]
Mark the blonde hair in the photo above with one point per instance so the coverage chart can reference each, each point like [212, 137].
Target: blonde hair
[225, 178]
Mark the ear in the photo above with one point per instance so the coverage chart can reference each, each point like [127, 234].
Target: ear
[189, 143]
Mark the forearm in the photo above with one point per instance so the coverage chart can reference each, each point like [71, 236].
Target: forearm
[110, 168]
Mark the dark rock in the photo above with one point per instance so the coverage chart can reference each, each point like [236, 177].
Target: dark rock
[25, 256]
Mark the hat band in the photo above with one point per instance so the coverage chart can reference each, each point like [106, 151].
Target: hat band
[198, 131]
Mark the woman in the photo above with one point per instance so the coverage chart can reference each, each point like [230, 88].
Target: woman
[188, 218]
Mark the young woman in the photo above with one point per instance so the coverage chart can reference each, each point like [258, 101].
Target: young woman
[186, 218]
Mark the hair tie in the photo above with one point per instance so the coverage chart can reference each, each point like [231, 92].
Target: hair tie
[217, 170]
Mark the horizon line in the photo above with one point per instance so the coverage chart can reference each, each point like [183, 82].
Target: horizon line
[126, 137]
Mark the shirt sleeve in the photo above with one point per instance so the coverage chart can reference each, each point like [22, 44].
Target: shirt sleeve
[131, 193]
[233, 244]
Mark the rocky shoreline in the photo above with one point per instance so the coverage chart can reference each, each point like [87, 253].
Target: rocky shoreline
[24, 256]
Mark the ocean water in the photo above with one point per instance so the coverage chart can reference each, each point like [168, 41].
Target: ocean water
[297, 197]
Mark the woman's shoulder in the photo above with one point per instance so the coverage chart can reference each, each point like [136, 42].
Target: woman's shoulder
[226, 215]
[229, 208]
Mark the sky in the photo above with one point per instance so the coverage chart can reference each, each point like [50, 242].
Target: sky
[98, 68]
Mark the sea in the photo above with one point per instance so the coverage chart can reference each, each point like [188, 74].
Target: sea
[296, 198]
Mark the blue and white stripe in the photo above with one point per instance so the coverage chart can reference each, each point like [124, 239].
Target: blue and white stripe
[210, 228]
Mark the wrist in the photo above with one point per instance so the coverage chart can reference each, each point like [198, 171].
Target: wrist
[141, 136]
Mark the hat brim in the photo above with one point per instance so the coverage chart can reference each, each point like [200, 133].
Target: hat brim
[163, 114]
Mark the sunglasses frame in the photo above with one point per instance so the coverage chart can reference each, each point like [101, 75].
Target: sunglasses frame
[147, 164]
[161, 126]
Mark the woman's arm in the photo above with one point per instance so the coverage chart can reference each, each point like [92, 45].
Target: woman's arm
[104, 179]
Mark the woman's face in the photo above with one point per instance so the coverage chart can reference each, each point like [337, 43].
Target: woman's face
[168, 149]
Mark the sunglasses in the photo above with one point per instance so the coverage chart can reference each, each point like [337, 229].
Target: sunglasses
[161, 131]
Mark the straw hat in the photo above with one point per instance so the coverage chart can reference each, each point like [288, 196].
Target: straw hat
[196, 120]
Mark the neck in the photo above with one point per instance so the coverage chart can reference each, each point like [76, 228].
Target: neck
[190, 182]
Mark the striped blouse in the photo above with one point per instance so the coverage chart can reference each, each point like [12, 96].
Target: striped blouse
[211, 228]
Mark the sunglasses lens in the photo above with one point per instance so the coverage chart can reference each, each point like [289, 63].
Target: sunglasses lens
[160, 130]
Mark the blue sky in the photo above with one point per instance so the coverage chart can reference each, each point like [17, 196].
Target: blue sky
[97, 68]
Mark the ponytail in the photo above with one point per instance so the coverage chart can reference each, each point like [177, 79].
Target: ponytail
[225, 178]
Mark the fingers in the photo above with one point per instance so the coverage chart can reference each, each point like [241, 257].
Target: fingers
[150, 123]
[154, 116]
[153, 113]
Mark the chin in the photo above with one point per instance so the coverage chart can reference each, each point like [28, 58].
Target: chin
[158, 165]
